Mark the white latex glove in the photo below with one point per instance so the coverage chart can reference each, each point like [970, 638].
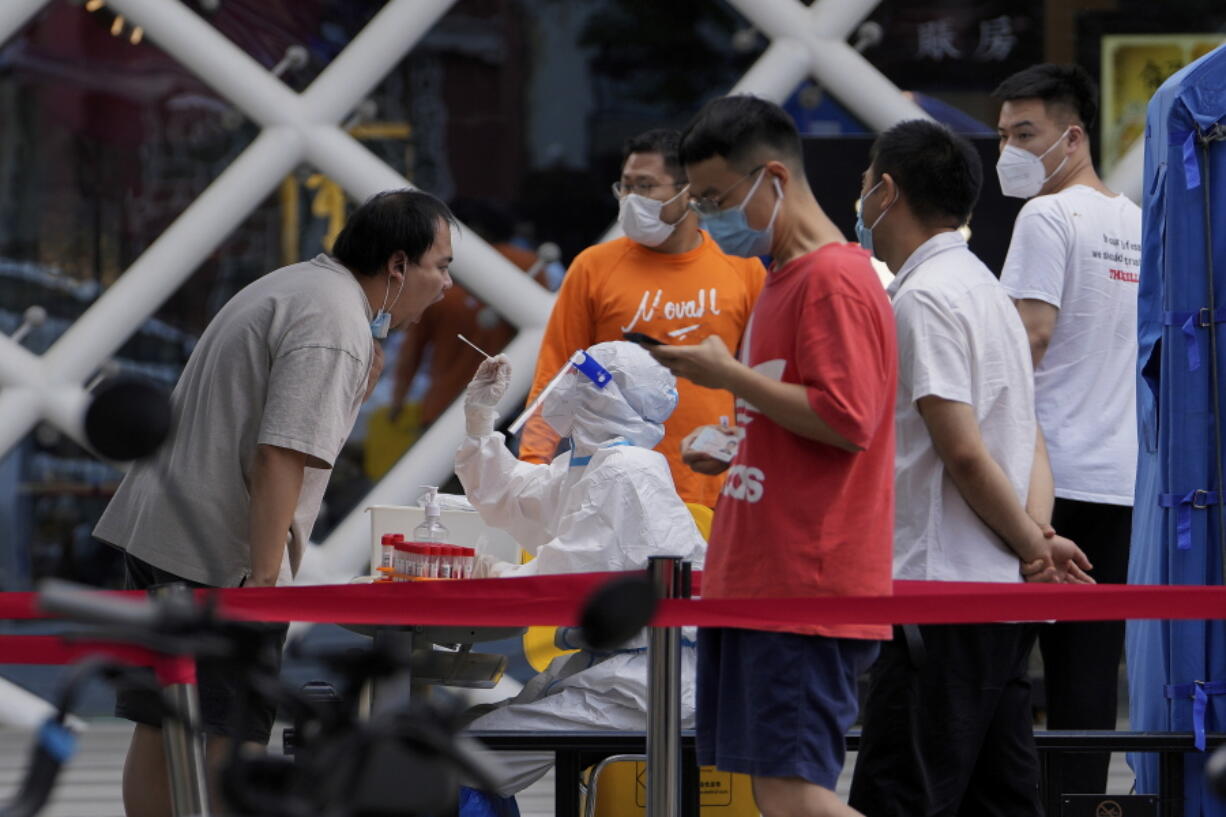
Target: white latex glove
[487, 567]
[484, 391]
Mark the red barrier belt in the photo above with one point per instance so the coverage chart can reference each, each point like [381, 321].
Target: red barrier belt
[959, 603]
[52, 649]
[556, 600]
[174, 669]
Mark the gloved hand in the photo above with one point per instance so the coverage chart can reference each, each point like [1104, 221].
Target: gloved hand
[487, 567]
[484, 391]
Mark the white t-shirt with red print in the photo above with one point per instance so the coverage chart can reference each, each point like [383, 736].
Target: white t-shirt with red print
[1080, 251]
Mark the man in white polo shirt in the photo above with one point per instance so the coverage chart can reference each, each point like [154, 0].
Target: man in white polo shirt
[1073, 267]
[947, 721]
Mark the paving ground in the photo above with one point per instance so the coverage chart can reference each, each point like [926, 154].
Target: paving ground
[90, 787]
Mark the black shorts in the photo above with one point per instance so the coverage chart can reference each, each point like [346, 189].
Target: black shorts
[217, 687]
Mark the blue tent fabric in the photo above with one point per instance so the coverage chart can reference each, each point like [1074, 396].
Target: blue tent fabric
[1177, 669]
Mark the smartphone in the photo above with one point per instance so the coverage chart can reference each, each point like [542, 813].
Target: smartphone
[641, 339]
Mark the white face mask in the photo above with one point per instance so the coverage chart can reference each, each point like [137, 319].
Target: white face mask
[1021, 172]
[640, 219]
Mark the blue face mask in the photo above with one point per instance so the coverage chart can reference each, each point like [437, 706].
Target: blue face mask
[383, 319]
[865, 234]
[732, 232]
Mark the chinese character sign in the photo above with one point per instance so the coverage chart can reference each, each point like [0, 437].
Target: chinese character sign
[965, 46]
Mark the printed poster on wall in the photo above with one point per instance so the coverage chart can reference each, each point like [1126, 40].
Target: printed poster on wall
[1133, 68]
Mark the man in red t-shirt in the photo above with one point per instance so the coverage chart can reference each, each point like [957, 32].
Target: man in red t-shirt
[808, 505]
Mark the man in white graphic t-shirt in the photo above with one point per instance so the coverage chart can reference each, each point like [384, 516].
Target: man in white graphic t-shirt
[1072, 269]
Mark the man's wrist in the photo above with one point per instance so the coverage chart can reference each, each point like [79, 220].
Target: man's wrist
[1035, 545]
[1043, 520]
[266, 560]
[733, 376]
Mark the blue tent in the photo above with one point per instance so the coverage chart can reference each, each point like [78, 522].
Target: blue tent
[1177, 669]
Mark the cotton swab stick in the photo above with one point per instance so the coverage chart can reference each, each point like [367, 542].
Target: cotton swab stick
[475, 346]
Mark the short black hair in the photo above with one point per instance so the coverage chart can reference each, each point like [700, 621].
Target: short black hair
[395, 220]
[1067, 85]
[664, 141]
[938, 172]
[739, 129]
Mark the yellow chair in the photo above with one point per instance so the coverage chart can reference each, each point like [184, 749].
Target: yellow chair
[388, 439]
[703, 517]
[617, 784]
[618, 788]
[537, 644]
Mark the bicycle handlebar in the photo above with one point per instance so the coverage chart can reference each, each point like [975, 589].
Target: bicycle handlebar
[88, 605]
[177, 623]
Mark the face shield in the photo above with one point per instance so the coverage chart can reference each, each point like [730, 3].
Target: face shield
[614, 389]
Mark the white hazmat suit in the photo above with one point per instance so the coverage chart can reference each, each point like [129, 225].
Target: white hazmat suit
[607, 504]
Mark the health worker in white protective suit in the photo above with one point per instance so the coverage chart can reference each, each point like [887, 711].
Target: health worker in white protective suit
[607, 504]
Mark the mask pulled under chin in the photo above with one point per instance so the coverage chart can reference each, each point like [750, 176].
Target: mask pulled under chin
[383, 318]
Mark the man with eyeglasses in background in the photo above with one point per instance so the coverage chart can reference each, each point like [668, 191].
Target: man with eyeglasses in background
[666, 279]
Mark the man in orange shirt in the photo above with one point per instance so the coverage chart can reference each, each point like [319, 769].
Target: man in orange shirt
[666, 279]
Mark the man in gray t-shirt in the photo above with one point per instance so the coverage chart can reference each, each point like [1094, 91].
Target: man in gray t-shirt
[264, 404]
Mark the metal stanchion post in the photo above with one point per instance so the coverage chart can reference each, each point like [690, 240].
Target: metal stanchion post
[185, 753]
[184, 742]
[668, 574]
[393, 692]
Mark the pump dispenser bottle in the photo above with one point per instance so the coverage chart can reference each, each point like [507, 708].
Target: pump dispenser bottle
[432, 529]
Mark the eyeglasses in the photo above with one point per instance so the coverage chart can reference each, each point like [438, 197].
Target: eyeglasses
[641, 188]
[709, 206]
